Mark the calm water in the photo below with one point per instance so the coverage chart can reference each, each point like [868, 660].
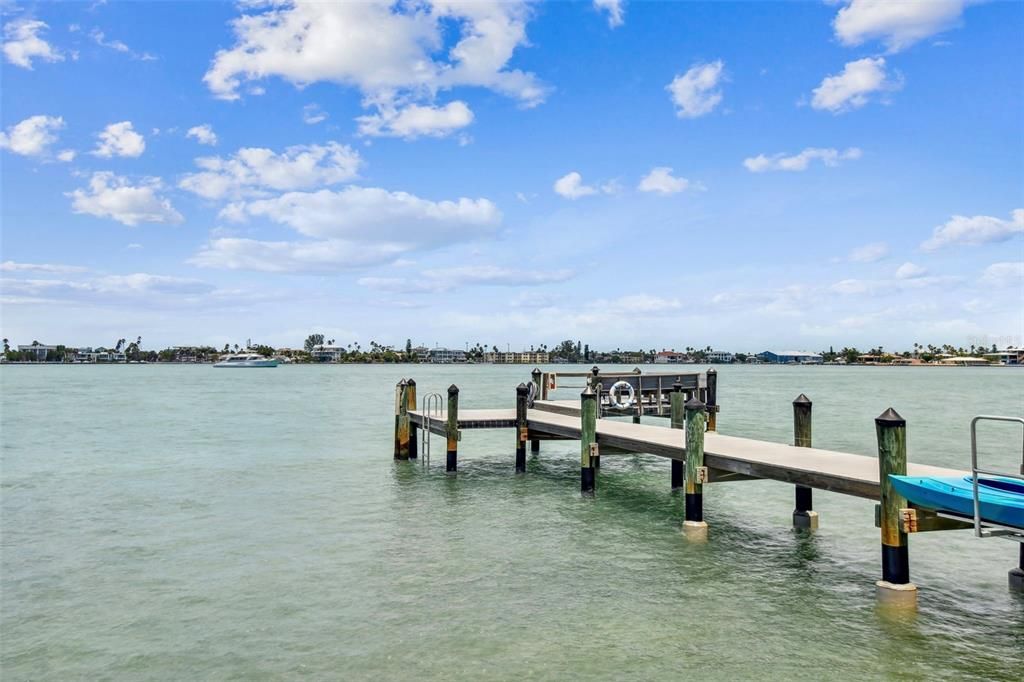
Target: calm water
[177, 522]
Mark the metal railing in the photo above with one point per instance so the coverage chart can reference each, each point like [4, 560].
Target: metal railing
[430, 406]
[979, 531]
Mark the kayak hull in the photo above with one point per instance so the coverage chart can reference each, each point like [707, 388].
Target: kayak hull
[1000, 500]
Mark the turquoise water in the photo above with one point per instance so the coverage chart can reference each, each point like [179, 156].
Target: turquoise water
[180, 522]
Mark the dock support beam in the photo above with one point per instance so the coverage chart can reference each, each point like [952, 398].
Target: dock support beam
[452, 430]
[410, 405]
[588, 440]
[1016, 575]
[712, 399]
[694, 526]
[804, 516]
[402, 422]
[522, 395]
[895, 585]
[677, 419]
[537, 376]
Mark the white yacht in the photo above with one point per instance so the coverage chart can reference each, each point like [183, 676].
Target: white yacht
[246, 360]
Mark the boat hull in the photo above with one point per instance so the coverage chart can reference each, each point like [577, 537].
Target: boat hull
[1000, 500]
[248, 363]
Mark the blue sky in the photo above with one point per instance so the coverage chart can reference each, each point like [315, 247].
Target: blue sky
[740, 175]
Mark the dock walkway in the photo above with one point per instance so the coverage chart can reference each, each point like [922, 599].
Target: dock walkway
[728, 457]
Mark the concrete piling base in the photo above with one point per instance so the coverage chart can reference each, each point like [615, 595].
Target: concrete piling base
[805, 520]
[695, 531]
[902, 595]
[1016, 580]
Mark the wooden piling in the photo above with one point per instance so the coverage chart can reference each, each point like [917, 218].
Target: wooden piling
[537, 378]
[410, 406]
[712, 402]
[696, 473]
[677, 420]
[522, 434]
[891, 432]
[804, 516]
[402, 431]
[399, 397]
[588, 440]
[452, 430]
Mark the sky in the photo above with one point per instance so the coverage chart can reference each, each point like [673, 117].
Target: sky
[630, 174]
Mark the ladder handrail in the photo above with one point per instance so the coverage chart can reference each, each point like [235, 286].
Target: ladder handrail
[430, 404]
[978, 530]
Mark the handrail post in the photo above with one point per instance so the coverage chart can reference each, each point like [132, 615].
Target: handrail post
[694, 525]
[522, 393]
[537, 377]
[588, 440]
[452, 430]
[804, 515]
[410, 405]
[895, 585]
[712, 393]
[677, 420]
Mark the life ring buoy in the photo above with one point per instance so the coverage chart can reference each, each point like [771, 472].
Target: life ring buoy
[613, 395]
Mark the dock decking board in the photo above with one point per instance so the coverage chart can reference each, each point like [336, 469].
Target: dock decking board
[812, 467]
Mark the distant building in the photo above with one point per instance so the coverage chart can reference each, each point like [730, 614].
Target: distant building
[964, 362]
[790, 357]
[445, 356]
[720, 356]
[670, 357]
[322, 353]
[1008, 356]
[37, 352]
[524, 358]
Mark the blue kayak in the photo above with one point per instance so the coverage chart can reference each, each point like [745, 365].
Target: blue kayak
[1001, 500]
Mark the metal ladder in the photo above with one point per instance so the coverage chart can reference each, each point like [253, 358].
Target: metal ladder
[430, 406]
[992, 530]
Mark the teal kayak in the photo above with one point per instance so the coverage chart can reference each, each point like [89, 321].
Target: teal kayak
[1000, 500]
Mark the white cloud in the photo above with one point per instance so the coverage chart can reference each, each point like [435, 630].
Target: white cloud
[799, 162]
[869, 253]
[203, 134]
[449, 279]
[852, 88]
[897, 24]
[614, 10]
[100, 39]
[356, 226]
[67, 155]
[120, 139]
[232, 253]
[32, 136]
[313, 114]
[571, 186]
[1004, 275]
[395, 53]
[372, 214]
[112, 196]
[12, 266]
[696, 92]
[22, 43]
[252, 170]
[974, 230]
[106, 288]
[910, 271]
[414, 121]
[660, 180]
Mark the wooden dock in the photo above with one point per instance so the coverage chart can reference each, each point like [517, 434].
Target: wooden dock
[729, 458]
[699, 455]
